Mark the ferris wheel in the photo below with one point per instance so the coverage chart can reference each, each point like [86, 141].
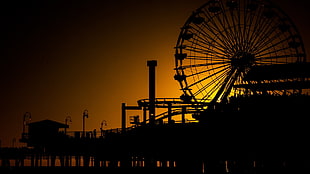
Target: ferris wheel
[237, 47]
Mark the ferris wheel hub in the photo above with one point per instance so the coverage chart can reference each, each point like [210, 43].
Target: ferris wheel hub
[242, 60]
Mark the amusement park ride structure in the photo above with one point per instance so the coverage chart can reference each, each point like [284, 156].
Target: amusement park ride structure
[243, 70]
[231, 51]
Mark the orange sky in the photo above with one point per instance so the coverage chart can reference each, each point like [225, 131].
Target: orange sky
[60, 58]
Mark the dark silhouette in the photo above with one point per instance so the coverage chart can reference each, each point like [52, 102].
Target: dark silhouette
[251, 117]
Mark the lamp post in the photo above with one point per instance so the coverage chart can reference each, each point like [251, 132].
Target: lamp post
[85, 115]
[68, 118]
[103, 123]
[26, 120]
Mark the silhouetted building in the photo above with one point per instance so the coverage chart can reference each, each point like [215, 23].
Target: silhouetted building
[44, 133]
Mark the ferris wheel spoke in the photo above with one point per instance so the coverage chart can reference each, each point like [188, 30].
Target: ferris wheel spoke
[260, 27]
[270, 57]
[203, 42]
[208, 70]
[203, 50]
[220, 41]
[204, 57]
[236, 25]
[273, 46]
[211, 87]
[225, 27]
[207, 36]
[214, 28]
[217, 85]
[243, 31]
[206, 95]
[254, 24]
[203, 64]
[261, 35]
[239, 27]
[236, 35]
[261, 57]
[231, 34]
[199, 50]
[207, 77]
[215, 79]
[268, 29]
[266, 39]
[264, 45]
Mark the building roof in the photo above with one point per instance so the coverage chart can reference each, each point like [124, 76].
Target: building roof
[49, 123]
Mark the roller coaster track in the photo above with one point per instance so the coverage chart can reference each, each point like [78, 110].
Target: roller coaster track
[172, 103]
[177, 106]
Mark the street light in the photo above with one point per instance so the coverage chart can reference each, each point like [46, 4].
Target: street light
[26, 120]
[103, 123]
[85, 115]
[68, 118]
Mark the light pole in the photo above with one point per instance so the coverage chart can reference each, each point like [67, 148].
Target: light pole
[26, 120]
[103, 123]
[68, 118]
[85, 115]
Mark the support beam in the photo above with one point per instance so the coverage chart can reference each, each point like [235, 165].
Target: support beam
[123, 117]
[183, 114]
[169, 113]
[144, 115]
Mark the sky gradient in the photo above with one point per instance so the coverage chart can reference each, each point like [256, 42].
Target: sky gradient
[59, 58]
